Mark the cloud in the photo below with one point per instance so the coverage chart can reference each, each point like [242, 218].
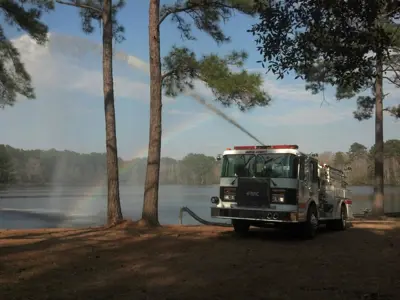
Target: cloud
[179, 112]
[134, 62]
[307, 116]
[294, 90]
[286, 90]
[230, 113]
[92, 82]
[289, 91]
[60, 62]
[74, 64]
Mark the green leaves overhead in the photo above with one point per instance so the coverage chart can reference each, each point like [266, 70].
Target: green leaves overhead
[24, 15]
[293, 35]
[332, 43]
[205, 15]
[182, 67]
[91, 11]
[394, 111]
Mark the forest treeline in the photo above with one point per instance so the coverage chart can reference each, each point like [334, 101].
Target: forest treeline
[43, 167]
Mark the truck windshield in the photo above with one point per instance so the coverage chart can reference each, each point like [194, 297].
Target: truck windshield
[271, 165]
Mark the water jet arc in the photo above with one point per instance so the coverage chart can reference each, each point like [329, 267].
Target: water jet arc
[218, 112]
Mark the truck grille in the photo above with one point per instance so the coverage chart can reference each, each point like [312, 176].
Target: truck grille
[253, 192]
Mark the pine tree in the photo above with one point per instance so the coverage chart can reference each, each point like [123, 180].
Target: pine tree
[351, 45]
[177, 72]
[24, 16]
[104, 12]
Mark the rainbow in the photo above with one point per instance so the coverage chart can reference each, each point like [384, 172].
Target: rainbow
[99, 188]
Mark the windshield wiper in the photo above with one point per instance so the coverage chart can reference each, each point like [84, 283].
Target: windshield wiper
[236, 177]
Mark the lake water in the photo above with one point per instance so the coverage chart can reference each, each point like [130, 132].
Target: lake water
[86, 206]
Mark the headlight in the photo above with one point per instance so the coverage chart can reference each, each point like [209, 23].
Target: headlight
[278, 198]
[229, 197]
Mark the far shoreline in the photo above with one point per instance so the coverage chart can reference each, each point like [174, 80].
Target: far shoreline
[84, 185]
[50, 185]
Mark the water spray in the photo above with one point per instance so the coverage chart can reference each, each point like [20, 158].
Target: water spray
[218, 112]
[135, 63]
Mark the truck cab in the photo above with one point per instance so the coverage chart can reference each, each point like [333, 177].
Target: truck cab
[279, 185]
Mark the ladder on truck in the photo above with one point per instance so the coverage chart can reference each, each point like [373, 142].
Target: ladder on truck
[332, 176]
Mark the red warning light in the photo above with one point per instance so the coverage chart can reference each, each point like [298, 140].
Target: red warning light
[283, 147]
[245, 147]
[266, 147]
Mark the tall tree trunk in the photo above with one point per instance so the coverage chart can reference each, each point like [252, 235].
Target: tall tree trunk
[150, 201]
[114, 213]
[379, 156]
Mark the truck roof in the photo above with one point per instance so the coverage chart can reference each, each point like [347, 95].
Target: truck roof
[283, 148]
[260, 151]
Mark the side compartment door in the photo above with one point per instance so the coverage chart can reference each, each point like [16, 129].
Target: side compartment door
[314, 183]
[304, 192]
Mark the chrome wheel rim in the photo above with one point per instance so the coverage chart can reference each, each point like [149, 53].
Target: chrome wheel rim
[343, 220]
[314, 220]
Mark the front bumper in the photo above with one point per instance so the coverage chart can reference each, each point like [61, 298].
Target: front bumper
[254, 215]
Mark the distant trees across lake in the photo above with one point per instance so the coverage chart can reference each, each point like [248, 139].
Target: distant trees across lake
[43, 167]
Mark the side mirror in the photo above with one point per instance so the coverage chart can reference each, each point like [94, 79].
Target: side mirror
[219, 157]
[214, 200]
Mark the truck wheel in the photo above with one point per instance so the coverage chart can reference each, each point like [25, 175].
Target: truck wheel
[341, 224]
[241, 227]
[310, 227]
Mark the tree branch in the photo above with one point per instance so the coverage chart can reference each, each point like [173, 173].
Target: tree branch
[77, 3]
[167, 74]
[192, 6]
[177, 10]
[392, 81]
[390, 13]
[170, 12]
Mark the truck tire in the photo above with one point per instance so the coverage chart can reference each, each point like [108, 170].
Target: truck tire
[310, 227]
[241, 227]
[341, 224]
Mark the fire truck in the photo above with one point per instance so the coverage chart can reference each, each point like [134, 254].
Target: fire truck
[281, 186]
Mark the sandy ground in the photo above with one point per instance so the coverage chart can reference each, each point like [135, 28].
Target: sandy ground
[200, 262]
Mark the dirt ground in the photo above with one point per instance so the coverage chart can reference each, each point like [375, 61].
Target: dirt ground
[200, 262]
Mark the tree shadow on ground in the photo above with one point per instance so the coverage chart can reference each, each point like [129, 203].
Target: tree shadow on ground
[200, 262]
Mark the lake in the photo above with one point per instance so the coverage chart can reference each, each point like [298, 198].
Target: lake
[86, 206]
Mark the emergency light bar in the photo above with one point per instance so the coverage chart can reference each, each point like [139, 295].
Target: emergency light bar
[246, 147]
[266, 147]
[283, 147]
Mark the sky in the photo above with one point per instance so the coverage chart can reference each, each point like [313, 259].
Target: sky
[69, 113]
